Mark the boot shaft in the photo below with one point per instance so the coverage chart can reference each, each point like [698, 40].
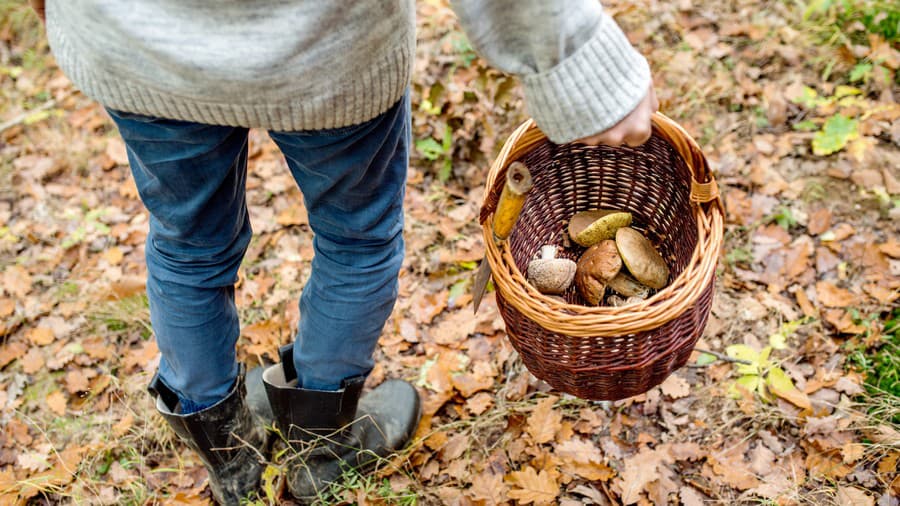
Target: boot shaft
[302, 414]
[216, 433]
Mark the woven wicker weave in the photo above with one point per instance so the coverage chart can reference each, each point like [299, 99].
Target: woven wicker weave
[608, 352]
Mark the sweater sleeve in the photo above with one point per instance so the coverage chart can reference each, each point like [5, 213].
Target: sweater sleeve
[580, 73]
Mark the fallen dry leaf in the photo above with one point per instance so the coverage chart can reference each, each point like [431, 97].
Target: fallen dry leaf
[891, 247]
[854, 496]
[7, 307]
[113, 255]
[293, 215]
[123, 425]
[56, 401]
[675, 387]
[77, 380]
[832, 296]
[826, 465]
[35, 460]
[33, 361]
[116, 151]
[543, 422]
[10, 351]
[479, 403]
[639, 471]
[40, 336]
[581, 457]
[852, 452]
[819, 221]
[530, 487]
[489, 488]
[843, 321]
[16, 281]
[733, 467]
[690, 497]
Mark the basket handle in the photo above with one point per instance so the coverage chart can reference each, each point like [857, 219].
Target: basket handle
[703, 185]
[704, 188]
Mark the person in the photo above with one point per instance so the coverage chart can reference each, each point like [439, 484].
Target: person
[185, 80]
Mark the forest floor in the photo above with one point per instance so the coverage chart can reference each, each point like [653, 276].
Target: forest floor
[796, 110]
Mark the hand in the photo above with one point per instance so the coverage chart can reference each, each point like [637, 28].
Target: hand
[633, 130]
[38, 6]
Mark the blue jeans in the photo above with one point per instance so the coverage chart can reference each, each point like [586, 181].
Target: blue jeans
[191, 177]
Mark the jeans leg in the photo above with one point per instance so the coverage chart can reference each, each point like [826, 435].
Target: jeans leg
[191, 178]
[353, 181]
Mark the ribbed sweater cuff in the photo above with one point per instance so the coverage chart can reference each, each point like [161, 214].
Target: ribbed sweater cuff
[592, 89]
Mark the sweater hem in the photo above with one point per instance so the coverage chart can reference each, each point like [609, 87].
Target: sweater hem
[382, 84]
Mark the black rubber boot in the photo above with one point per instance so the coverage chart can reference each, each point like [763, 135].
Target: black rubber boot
[230, 442]
[329, 432]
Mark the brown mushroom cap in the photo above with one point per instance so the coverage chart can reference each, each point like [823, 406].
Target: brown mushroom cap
[551, 275]
[596, 267]
[587, 228]
[626, 285]
[641, 258]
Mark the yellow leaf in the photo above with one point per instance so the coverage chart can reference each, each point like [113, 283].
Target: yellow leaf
[749, 383]
[271, 481]
[780, 384]
[744, 352]
[529, 486]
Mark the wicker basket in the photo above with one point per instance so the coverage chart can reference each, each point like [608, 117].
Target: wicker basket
[608, 352]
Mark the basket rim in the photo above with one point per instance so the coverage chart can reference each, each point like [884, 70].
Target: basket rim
[606, 321]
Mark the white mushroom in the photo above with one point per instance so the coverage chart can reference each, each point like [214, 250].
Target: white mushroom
[549, 274]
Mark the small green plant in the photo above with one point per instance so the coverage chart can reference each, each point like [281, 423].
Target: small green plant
[784, 217]
[739, 256]
[761, 375]
[879, 363]
[838, 129]
[839, 20]
[434, 151]
[462, 47]
[89, 224]
[123, 314]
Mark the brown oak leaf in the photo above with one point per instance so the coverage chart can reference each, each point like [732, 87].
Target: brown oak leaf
[529, 486]
[544, 421]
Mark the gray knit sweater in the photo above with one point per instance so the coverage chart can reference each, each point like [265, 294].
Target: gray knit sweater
[313, 64]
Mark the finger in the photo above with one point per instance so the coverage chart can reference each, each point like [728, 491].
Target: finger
[638, 137]
[613, 138]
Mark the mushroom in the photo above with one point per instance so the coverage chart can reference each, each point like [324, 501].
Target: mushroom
[626, 285]
[641, 258]
[599, 264]
[587, 228]
[619, 301]
[549, 274]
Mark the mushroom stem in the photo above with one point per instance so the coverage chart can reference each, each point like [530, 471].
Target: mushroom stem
[548, 251]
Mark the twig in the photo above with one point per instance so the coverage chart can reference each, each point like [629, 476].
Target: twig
[723, 357]
[25, 115]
